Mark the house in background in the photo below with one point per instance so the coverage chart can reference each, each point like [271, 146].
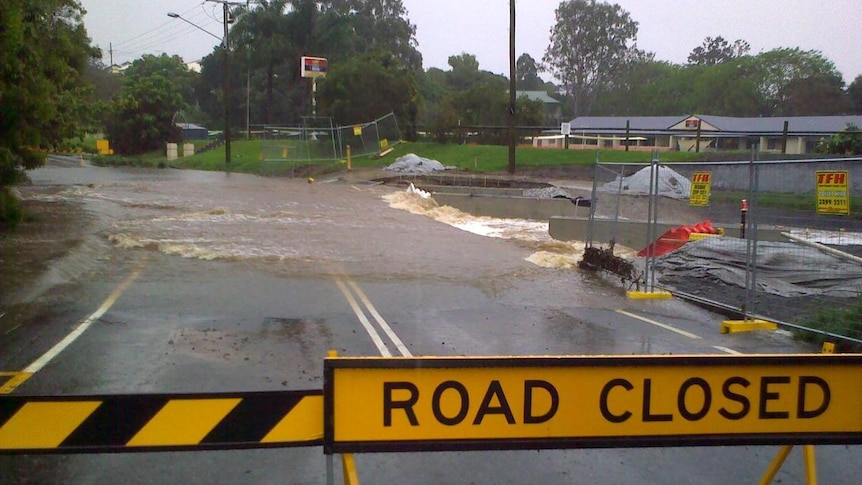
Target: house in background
[792, 135]
[118, 68]
[553, 108]
[191, 131]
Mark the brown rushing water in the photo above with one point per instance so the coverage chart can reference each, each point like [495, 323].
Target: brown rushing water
[286, 226]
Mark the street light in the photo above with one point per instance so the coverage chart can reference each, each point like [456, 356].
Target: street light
[225, 74]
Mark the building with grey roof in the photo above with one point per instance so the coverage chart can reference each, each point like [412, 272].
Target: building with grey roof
[789, 135]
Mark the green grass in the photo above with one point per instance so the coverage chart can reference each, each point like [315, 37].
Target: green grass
[839, 321]
[805, 202]
[246, 158]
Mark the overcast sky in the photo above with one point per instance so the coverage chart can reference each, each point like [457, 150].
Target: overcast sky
[669, 28]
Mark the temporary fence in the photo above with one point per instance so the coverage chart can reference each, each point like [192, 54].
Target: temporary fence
[778, 241]
[316, 140]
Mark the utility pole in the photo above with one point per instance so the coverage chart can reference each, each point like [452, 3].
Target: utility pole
[111, 53]
[512, 86]
[226, 74]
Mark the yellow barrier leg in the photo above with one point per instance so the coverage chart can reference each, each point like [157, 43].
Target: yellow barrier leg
[810, 465]
[775, 465]
[348, 465]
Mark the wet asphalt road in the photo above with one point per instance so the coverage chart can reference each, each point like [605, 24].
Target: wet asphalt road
[247, 299]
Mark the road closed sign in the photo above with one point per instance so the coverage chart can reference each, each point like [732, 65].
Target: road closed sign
[415, 404]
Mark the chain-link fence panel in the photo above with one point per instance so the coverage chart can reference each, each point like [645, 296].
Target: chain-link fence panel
[778, 240]
[317, 140]
[369, 139]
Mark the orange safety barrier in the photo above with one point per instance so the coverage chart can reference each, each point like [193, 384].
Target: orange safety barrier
[676, 238]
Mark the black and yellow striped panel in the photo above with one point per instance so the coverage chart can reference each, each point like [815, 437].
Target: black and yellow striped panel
[124, 423]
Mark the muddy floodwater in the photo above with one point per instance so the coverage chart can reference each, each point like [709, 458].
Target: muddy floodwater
[80, 216]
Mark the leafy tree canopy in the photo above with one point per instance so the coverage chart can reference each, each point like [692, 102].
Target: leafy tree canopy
[591, 43]
[779, 73]
[44, 51]
[368, 87]
[854, 92]
[528, 74]
[716, 50]
[268, 40]
[143, 113]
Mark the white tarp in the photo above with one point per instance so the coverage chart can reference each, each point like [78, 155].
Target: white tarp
[670, 183]
[412, 163]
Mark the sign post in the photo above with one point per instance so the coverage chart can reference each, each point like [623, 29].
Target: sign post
[566, 130]
[313, 67]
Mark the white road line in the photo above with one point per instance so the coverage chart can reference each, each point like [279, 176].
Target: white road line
[375, 337]
[380, 321]
[726, 349]
[659, 324]
[48, 356]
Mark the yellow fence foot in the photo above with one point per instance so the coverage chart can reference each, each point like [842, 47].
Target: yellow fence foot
[651, 295]
[736, 326]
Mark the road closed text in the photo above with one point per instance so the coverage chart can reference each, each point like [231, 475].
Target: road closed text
[772, 397]
[594, 399]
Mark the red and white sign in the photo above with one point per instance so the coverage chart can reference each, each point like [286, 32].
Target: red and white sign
[313, 66]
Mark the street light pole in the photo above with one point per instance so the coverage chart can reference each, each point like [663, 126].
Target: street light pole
[225, 75]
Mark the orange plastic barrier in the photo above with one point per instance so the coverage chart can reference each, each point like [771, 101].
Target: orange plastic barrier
[676, 237]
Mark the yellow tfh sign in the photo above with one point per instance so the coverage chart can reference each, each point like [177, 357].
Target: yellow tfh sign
[700, 187]
[833, 194]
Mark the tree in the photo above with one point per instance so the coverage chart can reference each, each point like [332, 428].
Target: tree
[531, 112]
[106, 85]
[44, 51]
[380, 25]
[854, 93]
[144, 111]
[815, 96]
[716, 50]
[268, 40]
[258, 41]
[782, 74]
[436, 107]
[848, 142]
[528, 74]
[591, 43]
[369, 87]
[648, 88]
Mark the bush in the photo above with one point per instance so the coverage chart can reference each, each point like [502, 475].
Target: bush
[848, 142]
[10, 209]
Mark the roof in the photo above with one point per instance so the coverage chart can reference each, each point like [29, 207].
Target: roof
[619, 123]
[190, 126]
[723, 124]
[795, 124]
[537, 96]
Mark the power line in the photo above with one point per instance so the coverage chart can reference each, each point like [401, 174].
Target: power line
[160, 26]
[145, 42]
